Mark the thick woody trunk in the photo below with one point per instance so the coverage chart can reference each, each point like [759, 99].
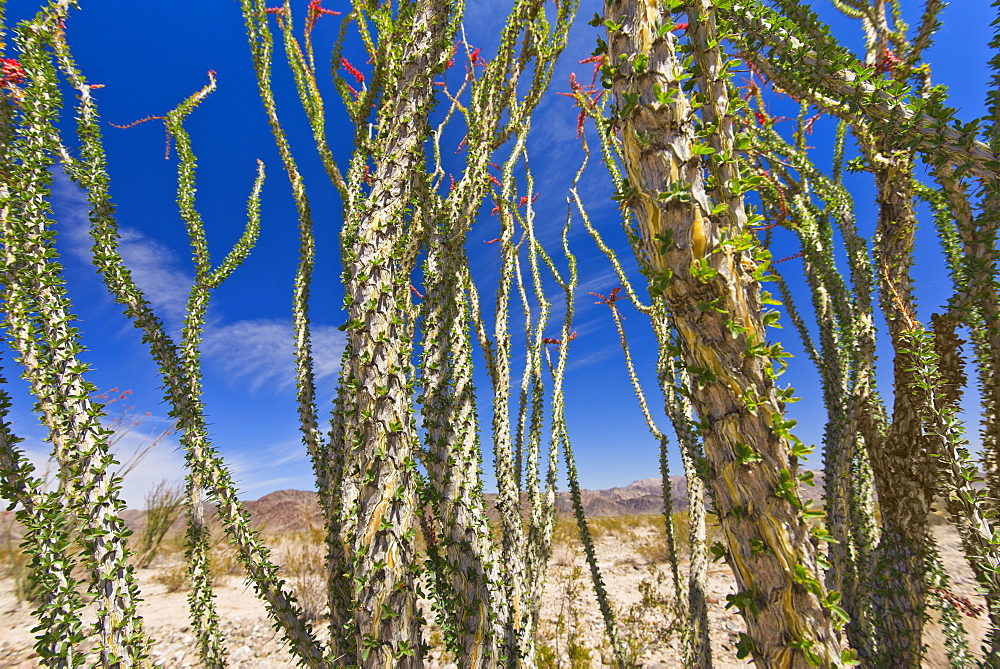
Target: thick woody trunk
[903, 469]
[698, 649]
[377, 436]
[713, 297]
[377, 512]
[469, 592]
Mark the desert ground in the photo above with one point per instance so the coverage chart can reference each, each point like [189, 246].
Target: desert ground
[631, 551]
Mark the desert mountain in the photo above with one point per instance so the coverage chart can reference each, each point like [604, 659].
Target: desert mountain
[298, 510]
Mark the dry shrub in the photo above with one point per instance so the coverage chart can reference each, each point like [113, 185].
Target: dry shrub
[564, 529]
[682, 529]
[564, 553]
[174, 578]
[565, 541]
[624, 528]
[223, 556]
[163, 505]
[653, 549]
[560, 642]
[304, 569]
[225, 563]
[651, 624]
[16, 565]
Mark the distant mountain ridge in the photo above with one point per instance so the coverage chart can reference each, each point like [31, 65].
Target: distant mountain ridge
[298, 510]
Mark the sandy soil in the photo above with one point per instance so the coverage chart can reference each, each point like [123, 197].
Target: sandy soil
[570, 615]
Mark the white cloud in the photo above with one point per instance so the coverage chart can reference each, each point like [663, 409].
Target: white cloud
[259, 351]
[154, 267]
[163, 460]
[262, 352]
[276, 466]
[600, 355]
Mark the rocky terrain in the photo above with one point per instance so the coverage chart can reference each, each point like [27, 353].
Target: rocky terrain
[630, 548]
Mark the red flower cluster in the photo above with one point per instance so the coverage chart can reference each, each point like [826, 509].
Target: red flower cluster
[315, 11]
[523, 201]
[589, 92]
[557, 342]
[11, 73]
[888, 62]
[959, 602]
[765, 120]
[474, 56]
[611, 298]
[360, 78]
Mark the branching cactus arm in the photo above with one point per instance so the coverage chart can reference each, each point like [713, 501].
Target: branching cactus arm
[46, 539]
[712, 294]
[90, 172]
[845, 356]
[674, 385]
[38, 321]
[452, 458]
[821, 71]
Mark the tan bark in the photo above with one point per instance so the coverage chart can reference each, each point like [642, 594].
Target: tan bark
[375, 395]
[452, 461]
[698, 649]
[903, 469]
[717, 313]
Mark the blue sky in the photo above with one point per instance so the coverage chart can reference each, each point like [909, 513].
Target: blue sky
[150, 56]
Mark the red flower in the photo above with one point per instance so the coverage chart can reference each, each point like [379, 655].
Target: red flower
[451, 60]
[888, 62]
[314, 12]
[476, 58]
[589, 92]
[681, 26]
[360, 78]
[611, 298]
[551, 340]
[11, 72]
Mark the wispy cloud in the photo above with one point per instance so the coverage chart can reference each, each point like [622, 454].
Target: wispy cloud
[257, 351]
[601, 282]
[155, 268]
[588, 359]
[162, 461]
[276, 466]
[261, 352]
